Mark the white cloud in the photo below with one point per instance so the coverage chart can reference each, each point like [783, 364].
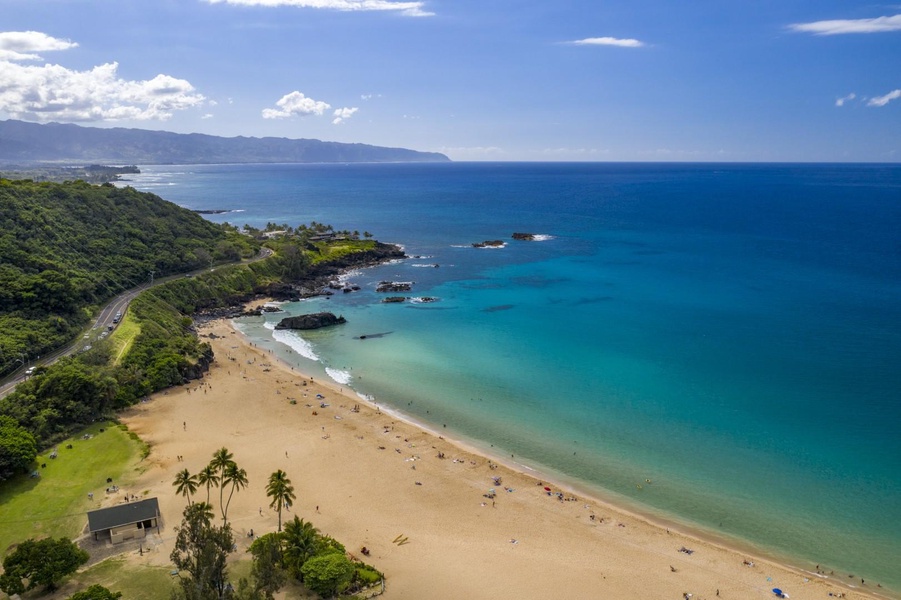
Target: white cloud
[207, 116]
[343, 114]
[21, 45]
[296, 104]
[840, 26]
[410, 9]
[608, 41]
[883, 100]
[841, 101]
[53, 92]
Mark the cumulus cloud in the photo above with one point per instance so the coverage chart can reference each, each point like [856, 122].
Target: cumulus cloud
[608, 41]
[840, 26]
[343, 114]
[295, 104]
[22, 45]
[53, 92]
[883, 100]
[841, 101]
[410, 9]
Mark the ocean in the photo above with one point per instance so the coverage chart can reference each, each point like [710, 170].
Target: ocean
[717, 345]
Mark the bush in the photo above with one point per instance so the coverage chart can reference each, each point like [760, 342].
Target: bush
[328, 575]
[45, 562]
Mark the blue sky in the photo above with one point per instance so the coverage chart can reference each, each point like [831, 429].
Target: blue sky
[645, 80]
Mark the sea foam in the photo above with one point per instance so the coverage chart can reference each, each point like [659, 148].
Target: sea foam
[342, 377]
[294, 341]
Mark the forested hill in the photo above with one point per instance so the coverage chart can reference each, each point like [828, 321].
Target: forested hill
[31, 142]
[65, 248]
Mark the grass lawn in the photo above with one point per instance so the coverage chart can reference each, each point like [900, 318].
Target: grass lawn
[135, 581]
[123, 336]
[54, 504]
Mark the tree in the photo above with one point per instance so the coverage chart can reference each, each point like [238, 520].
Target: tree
[221, 459]
[236, 477]
[185, 484]
[18, 448]
[201, 549]
[44, 562]
[299, 545]
[281, 491]
[267, 575]
[208, 478]
[96, 592]
[328, 575]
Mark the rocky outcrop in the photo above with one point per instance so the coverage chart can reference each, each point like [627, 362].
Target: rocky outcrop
[528, 237]
[394, 299]
[196, 370]
[489, 244]
[394, 286]
[310, 321]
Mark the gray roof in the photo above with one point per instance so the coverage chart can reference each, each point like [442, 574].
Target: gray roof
[123, 514]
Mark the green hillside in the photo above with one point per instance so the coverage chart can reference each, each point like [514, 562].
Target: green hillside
[67, 248]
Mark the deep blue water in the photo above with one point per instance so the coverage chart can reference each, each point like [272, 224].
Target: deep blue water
[731, 332]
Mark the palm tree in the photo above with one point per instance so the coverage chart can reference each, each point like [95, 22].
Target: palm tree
[208, 477]
[235, 476]
[185, 484]
[221, 459]
[300, 543]
[281, 491]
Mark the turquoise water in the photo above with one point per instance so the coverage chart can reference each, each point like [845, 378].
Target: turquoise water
[732, 332]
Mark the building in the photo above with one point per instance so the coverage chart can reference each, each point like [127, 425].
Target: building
[125, 522]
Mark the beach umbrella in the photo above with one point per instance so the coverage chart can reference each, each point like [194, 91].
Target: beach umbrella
[547, 489]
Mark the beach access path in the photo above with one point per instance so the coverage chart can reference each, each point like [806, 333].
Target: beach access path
[419, 503]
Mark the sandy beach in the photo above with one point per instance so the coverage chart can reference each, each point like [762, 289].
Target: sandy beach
[370, 479]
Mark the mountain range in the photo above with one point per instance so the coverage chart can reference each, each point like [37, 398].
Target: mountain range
[22, 142]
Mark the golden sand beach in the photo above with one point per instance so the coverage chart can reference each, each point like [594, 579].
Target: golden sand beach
[370, 479]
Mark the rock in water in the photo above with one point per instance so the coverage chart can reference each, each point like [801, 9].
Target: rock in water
[524, 236]
[310, 321]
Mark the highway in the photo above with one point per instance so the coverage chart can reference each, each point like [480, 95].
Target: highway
[104, 322]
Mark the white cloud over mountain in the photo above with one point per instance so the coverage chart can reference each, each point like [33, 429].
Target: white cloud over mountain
[53, 92]
[295, 104]
[343, 114]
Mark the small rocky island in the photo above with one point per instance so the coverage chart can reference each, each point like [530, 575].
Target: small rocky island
[528, 237]
[394, 286]
[489, 244]
[310, 321]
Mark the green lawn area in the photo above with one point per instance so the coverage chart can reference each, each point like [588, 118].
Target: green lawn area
[123, 336]
[135, 581]
[54, 504]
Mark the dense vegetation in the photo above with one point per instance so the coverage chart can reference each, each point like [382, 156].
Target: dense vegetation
[72, 246]
[62, 174]
[67, 248]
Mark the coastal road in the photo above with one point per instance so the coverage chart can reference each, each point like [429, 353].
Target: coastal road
[104, 322]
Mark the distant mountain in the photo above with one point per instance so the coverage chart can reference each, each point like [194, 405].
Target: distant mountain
[22, 142]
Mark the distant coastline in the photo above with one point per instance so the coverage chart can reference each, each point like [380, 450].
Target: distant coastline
[54, 142]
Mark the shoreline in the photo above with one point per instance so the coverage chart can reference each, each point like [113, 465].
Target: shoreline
[526, 545]
[584, 490]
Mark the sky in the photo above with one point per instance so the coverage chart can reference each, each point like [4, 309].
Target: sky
[479, 80]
